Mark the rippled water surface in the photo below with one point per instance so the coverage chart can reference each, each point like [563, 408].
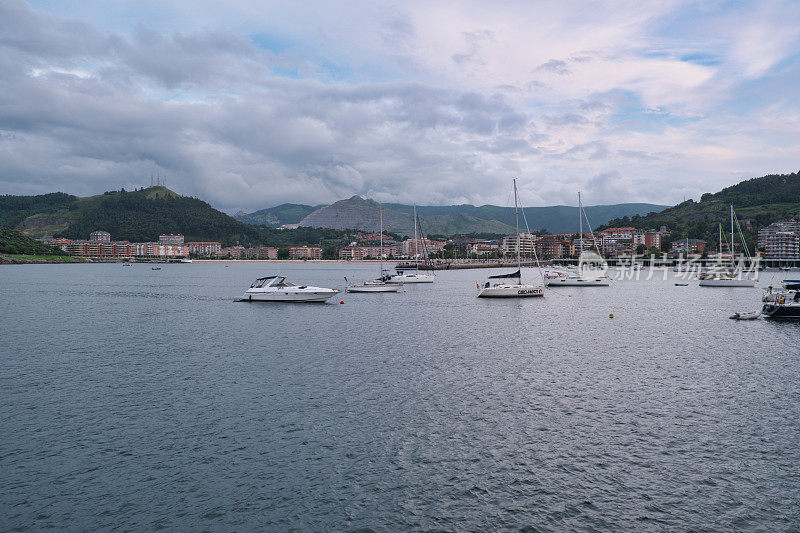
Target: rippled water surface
[145, 399]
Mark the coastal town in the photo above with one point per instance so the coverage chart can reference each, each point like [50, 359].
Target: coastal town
[777, 241]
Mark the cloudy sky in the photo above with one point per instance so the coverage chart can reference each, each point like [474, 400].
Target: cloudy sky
[258, 103]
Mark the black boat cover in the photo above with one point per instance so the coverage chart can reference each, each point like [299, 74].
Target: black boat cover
[512, 275]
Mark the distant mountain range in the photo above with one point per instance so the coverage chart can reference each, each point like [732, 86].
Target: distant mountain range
[358, 213]
[279, 215]
[143, 214]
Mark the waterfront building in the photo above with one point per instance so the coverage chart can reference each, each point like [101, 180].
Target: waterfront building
[422, 245]
[351, 253]
[59, 243]
[486, 247]
[695, 246]
[780, 240]
[170, 239]
[235, 252]
[157, 249]
[526, 243]
[305, 252]
[121, 249]
[588, 243]
[208, 248]
[260, 252]
[651, 239]
[100, 236]
[552, 247]
[618, 233]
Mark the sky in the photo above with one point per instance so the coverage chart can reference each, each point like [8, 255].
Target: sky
[250, 104]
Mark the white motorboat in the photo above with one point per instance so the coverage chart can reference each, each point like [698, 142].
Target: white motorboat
[506, 289]
[413, 276]
[380, 284]
[277, 289]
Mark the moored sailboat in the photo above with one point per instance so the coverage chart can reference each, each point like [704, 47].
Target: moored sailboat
[379, 284]
[721, 277]
[507, 289]
[412, 275]
[583, 276]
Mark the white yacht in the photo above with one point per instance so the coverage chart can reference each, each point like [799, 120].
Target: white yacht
[724, 279]
[413, 276]
[592, 268]
[578, 280]
[376, 285]
[277, 289]
[507, 289]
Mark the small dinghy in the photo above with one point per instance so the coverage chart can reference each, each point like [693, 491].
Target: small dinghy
[746, 316]
[681, 284]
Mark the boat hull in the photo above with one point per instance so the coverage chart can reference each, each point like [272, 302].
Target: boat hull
[727, 283]
[781, 311]
[375, 288]
[411, 278]
[319, 296]
[511, 291]
[576, 282]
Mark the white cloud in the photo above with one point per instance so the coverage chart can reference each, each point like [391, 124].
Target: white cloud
[261, 103]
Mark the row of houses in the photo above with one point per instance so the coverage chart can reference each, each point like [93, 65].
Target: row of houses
[270, 252]
[168, 245]
[778, 240]
[409, 248]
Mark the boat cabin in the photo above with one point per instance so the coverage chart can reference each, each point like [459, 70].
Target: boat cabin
[275, 282]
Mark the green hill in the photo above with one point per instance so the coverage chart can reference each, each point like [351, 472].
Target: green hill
[141, 216]
[759, 201]
[16, 242]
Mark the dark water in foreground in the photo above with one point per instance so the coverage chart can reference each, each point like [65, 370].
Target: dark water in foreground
[145, 399]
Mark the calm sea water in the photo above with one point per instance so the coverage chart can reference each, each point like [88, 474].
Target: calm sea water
[140, 399]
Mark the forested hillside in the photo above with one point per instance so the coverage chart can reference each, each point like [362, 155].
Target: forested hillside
[141, 216]
[758, 202]
[15, 242]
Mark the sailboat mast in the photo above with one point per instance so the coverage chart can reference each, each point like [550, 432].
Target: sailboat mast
[732, 247]
[380, 253]
[516, 215]
[580, 223]
[416, 241]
